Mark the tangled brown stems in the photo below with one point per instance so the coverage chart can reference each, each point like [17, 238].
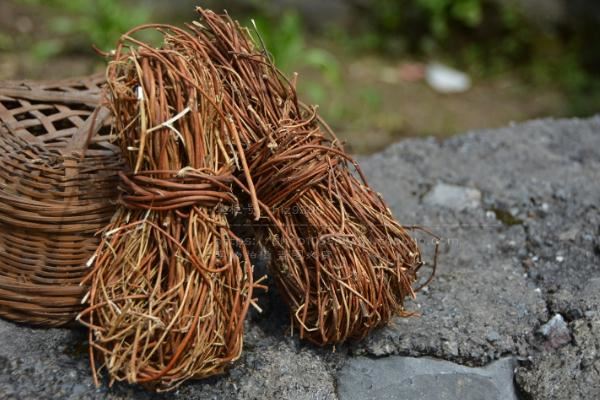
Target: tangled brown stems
[342, 262]
[197, 117]
[168, 293]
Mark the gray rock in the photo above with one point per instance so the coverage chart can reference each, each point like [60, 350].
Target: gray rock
[572, 372]
[453, 196]
[285, 372]
[493, 336]
[484, 282]
[556, 332]
[423, 378]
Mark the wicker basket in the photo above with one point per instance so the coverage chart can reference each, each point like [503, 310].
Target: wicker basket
[58, 180]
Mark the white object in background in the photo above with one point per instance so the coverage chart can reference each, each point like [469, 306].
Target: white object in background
[444, 79]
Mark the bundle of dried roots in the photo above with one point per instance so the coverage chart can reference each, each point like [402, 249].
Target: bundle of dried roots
[206, 113]
[168, 292]
[342, 262]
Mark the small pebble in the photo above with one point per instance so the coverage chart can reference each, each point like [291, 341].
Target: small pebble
[493, 336]
[556, 332]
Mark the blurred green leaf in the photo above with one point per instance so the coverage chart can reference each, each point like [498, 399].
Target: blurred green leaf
[467, 11]
[97, 22]
[315, 92]
[6, 41]
[44, 49]
[285, 42]
[62, 24]
[371, 97]
[326, 62]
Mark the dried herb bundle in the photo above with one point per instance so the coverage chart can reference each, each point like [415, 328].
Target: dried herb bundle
[342, 262]
[168, 293]
[204, 114]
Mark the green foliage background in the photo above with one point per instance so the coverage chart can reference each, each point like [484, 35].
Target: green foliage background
[483, 37]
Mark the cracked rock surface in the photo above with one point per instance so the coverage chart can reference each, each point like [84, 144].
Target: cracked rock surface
[518, 283]
[397, 377]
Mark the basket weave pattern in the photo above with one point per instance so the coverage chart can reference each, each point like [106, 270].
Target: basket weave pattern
[58, 180]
